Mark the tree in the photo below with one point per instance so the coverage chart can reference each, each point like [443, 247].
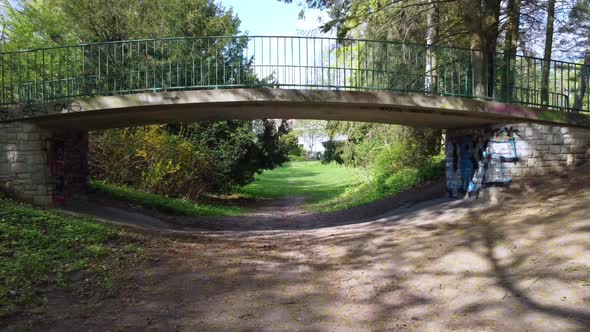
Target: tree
[432, 39]
[547, 54]
[576, 33]
[482, 22]
[311, 132]
[510, 47]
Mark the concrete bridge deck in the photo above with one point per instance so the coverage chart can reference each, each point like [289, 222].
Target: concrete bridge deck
[248, 104]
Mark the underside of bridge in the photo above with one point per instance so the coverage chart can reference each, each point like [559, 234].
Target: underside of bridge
[185, 106]
[43, 148]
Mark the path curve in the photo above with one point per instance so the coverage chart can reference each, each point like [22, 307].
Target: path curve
[281, 214]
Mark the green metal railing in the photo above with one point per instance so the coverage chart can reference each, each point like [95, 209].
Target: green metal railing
[152, 65]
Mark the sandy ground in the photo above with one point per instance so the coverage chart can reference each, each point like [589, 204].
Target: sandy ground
[521, 265]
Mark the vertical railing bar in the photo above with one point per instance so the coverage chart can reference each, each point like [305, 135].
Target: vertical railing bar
[146, 66]
[19, 84]
[154, 65]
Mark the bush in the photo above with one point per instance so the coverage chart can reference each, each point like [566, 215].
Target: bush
[188, 160]
[151, 159]
[291, 145]
[333, 152]
[406, 178]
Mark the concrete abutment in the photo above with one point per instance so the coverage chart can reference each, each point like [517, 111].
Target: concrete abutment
[515, 152]
[45, 167]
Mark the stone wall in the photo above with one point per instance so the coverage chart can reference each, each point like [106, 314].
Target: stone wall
[540, 150]
[28, 167]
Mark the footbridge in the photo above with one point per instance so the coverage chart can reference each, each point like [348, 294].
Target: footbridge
[51, 97]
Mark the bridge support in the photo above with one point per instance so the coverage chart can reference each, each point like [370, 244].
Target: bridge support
[513, 153]
[41, 166]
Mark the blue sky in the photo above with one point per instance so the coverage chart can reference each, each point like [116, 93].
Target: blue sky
[272, 17]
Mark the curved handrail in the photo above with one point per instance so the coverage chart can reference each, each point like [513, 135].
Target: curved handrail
[188, 63]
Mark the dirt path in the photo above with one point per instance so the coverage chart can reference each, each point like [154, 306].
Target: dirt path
[433, 266]
[278, 214]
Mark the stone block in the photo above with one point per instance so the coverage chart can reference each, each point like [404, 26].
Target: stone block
[568, 140]
[14, 129]
[5, 168]
[548, 139]
[570, 160]
[554, 149]
[42, 200]
[29, 128]
[8, 147]
[19, 168]
[557, 139]
[35, 136]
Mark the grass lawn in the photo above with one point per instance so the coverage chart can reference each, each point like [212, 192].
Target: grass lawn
[165, 204]
[41, 249]
[318, 183]
[332, 187]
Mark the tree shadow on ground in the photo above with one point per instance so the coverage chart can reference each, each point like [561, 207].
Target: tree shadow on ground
[518, 265]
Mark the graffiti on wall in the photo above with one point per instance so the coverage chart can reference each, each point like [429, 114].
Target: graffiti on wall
[32, 110]
[477, 161]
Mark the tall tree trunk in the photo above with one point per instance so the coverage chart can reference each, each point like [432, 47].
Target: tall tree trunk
[584, 75]
[482, 21]
[510, 46]
[491, 23]
[472, 16]
[431, 39]
[547, 56]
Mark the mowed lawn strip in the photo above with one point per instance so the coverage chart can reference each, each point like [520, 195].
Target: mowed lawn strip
[165, 204]
[41, 249]
[317, 182]
[332, 187]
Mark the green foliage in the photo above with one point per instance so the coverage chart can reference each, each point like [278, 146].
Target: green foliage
[162, 203]
[402, 178]
[386, 184]
[187, 161]
[394, 147]
[333, 152]
[40, 23]
[40, 248]
[37, 24]
[151, 159]
[291, 144]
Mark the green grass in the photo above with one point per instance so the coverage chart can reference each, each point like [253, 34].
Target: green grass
[318, 183]
[329, 188]
[164, 204]
[40, 249]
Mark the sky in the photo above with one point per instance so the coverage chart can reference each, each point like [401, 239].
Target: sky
[273, 17]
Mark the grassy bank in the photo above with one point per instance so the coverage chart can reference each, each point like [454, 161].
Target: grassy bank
[328, 188]
[164, 204]
[40, 249]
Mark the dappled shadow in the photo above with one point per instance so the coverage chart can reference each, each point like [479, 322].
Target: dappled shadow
[275, 215]
[520, 265]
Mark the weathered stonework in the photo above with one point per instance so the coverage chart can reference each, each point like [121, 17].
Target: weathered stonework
[540, 149]
[26, 168]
